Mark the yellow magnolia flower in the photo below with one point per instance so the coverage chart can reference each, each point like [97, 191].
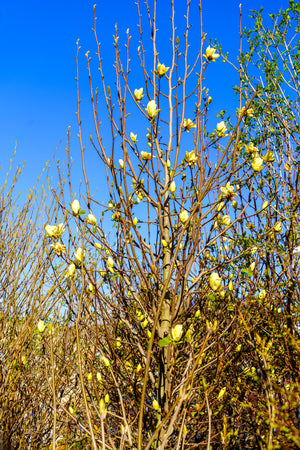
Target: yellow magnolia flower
[257, 164]
[90, 288]
[144, 323]
[221, 129]
[70, 271]
[135, 221]
[245, 112]
[99, 377]
[230, 286]
[146, 156]
[227, 191]
[226, 220]
[211, 54]
[269, 157]
[89, 376]
[138, 94]
[121, 163]
[41, 326]
[191, 158]
[209, 100]
[80, 254]
[252, 267]
[105, 361]
[138, 368]
[183, 216]
[234, 204]
[92, 220]
[152, 109]
[215, 281]
[250, 148]
[75, 207]
[110, 262]
[102, 409]
[220, 206]
[188, 125]
[155, 405]
[176, 332]
[133, 137]
[262, 295]
[173, 187]
[161, 70]
[58, 248]
[221, 393]
[55, 231]
[278, 227]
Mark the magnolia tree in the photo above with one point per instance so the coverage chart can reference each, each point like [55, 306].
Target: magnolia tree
[181, 300]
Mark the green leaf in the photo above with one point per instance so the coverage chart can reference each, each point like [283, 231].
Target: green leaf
[165, 341]
[81, 212]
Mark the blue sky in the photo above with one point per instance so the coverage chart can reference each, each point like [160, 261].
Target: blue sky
[37, 76]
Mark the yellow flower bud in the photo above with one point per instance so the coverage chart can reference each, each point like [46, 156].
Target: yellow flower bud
[230, 286]
[133, 137]
[164, 243]
[110, 262]
[75, 207]
[265, 205]
[152, 109]
[215, 281]
[144, 323]
[121, 163]
[155, 405]
[70, 271]
[221, 393]
[173, 187]
[102, 409]
[252, 267]
[138, 94]
[220, 206]
[79, 254]
[106, 398]
[89, 376]
[262, 294]
[184, 216]
[41, 326]
[92, 220]
[176, 332]
[99, 377]
[278, 227]
[105, 361]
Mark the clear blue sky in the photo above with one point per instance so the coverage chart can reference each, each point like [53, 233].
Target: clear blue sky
[37, 76]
